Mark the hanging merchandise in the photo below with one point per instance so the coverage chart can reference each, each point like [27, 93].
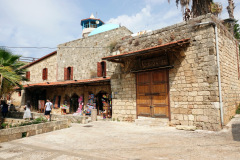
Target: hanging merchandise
[91, 103]
[80, 106]
[107, 109]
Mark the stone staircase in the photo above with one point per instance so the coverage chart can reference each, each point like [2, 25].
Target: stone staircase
[152, 122]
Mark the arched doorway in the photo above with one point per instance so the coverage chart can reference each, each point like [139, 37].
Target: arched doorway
[74, 103]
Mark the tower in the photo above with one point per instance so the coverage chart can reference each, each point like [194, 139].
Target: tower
[89, 24]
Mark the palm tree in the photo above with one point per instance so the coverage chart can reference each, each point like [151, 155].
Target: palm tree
[199, 7]
[230, 8]
[11, 73]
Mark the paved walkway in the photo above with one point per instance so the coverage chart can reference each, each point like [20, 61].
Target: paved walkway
[117, 140]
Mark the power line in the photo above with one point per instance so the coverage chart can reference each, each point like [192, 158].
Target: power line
[48, 47]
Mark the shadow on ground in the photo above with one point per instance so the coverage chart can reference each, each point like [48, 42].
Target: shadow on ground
[236, 132]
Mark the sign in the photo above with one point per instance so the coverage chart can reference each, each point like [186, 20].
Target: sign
[154, 62]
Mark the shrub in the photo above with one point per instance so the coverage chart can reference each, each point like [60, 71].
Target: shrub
[4, 125]
[238, 109]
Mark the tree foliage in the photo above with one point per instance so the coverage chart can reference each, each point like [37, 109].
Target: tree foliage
[237, 33]
[11, 73]
[200, 7]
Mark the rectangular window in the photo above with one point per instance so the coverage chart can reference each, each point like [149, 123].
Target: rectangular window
[19, 93]
[68, 73]
[28, 75]
[45, 74]
[101, 69]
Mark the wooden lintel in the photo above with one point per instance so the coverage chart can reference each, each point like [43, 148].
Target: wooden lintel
[116, 61]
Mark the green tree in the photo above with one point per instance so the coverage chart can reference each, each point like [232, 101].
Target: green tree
[11, 73]
[200, 7]
[237, 33]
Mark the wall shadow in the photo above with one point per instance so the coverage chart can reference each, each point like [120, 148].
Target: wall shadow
[236, 132]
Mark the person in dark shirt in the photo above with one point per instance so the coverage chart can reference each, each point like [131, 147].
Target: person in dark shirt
[4, 107]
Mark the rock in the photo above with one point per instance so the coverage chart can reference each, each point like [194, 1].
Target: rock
[186, 128]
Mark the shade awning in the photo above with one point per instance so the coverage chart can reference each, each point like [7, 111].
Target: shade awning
[71, 82]
[176, 45]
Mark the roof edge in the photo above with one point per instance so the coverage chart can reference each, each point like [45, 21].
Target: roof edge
[40, 59]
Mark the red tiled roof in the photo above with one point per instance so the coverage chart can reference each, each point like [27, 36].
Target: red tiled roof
[40, 59]
[163, 46]
[93, 80]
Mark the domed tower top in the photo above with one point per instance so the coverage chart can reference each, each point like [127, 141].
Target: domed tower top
[89, 24]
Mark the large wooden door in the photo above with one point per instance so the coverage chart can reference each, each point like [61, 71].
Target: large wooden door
[152, 94]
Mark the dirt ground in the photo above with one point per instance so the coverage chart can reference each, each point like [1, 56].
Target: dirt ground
[119, 140]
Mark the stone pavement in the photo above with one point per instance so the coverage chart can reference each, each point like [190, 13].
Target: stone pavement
[120, 140]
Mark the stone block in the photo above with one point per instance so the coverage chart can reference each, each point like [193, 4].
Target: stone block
[197, 111]
[201, 118]
[198, 98]
[32, 133]
[186, 128]
[191, 117]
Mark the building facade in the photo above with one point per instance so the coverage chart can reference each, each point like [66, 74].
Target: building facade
[187, 73]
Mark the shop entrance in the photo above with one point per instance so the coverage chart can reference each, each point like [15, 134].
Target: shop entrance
[104, 104]
[74, 103]
[152, 94]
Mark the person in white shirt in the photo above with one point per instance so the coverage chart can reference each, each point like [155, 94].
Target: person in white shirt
[47, 109]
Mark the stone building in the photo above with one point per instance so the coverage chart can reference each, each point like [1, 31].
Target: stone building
[184, 74]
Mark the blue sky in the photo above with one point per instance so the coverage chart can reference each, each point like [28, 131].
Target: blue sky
[47, 23]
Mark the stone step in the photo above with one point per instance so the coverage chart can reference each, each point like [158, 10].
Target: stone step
[152, 122]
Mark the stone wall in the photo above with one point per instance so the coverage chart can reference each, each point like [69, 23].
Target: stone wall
[16, 99]
[31, 130]
[36, 77]
[230, 72]
[83, 54]
[193, 80]
[124, 96]
[54, 117]
[36, 70]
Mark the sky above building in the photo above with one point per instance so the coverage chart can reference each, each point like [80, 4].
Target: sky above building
[34, 28]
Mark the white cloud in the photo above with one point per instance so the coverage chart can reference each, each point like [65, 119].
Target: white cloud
[34, 23]
[146, 19]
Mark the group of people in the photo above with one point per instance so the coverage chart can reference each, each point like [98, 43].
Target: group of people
[27, 114]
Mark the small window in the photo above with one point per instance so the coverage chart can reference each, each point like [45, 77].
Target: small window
[28, 75]
[68, 73]
[19, 93]
[45, 74]
[101, 69]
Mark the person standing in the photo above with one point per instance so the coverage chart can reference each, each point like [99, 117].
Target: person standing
[48, 109]
[4, 107]
[27, 113]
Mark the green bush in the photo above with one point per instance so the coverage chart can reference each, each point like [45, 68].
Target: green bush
[238, 109]
[4, 125]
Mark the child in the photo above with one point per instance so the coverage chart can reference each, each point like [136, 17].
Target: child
[27, 113]
[47, 109]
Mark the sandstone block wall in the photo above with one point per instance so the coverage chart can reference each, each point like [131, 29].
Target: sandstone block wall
[230, 72]
[124, 97]
[194, 98]
[36, 70]
[31, 130]
[83, 54]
